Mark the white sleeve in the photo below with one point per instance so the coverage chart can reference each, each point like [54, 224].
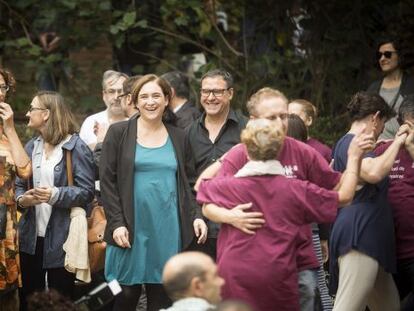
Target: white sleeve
[86, 131]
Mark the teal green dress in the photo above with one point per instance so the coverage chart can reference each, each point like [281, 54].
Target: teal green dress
[157, 229]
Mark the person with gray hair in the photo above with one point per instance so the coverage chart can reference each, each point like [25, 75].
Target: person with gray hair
[111, 88]
[191, 280]
[184, 110]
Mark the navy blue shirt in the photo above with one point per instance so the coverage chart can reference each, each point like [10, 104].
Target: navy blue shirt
[366, 225]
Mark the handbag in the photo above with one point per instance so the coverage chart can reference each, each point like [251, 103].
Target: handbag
[96, 228]
[96, 244]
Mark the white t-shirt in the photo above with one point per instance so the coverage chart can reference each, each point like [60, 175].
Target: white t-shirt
[86, 131]
[44, 210]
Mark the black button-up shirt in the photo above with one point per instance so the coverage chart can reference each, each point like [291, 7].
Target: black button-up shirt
[205, 152]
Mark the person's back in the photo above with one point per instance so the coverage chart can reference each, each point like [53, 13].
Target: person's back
[274, 245]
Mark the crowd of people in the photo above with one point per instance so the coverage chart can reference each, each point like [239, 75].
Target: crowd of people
[208, 209]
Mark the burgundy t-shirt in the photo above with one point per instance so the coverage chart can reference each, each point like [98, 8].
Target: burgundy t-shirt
[261, 268]
[302, 162]
[401, 198]
[323, 149]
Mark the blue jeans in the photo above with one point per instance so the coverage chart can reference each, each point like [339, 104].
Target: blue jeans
[308, 284]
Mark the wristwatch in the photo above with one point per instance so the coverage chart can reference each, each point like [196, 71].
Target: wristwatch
[18, 201]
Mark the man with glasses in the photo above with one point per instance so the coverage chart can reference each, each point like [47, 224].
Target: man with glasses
[214, 133]
[128, 107]
[111, 88]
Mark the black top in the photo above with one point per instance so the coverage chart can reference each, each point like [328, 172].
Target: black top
[406, 88]
[186, 115]
[116, 171]
[206, 152]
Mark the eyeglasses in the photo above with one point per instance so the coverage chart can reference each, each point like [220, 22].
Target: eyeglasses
[113, 91]
[4, 88]
[216, 92]
[123, 95]
[31, 109]
[386, 54]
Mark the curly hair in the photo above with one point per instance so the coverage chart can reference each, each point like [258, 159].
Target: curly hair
[9, 80]
[263, 139]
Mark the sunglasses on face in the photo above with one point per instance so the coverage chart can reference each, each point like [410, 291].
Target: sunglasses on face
[386, 54]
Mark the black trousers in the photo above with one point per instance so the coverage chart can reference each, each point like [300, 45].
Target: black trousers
[209, 247]
[404, 279]
[127, 300]
[33, 276]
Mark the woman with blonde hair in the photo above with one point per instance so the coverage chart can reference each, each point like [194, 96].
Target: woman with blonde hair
[308, 113]
[269, 255]
[46, 200]
[13, 161]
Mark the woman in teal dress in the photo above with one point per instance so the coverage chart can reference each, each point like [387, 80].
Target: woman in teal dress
[150, 209]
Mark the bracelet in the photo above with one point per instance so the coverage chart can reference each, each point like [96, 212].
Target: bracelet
[18, 201]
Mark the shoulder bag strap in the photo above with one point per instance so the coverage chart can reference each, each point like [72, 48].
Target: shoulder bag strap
[395, 99]
[69, 167]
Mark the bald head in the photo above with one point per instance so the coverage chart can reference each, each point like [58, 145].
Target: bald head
[192, 274]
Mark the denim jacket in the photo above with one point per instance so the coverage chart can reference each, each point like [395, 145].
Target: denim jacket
[63, 198]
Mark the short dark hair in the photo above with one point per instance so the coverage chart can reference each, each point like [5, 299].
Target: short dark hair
[297, 128]
[219, 73]
[179, 82]
[177, 286]
[9, 80]
[129, 83]
[363, 104]
[406, 109]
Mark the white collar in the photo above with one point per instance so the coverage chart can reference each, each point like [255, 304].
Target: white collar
[257, 168]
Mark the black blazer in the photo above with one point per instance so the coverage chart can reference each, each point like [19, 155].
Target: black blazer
[406, 88]
[116, 170]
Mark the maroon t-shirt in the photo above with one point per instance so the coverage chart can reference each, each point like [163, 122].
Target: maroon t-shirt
[302, 162]
[401, 198]
[261, 268]
[323, 149]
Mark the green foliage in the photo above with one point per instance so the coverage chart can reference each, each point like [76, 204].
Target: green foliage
[257, 47]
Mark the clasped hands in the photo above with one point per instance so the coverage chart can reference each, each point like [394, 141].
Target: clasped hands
[35, 196]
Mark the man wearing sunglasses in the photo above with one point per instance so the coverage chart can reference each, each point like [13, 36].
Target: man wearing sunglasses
[395, 84]
[214, 133]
